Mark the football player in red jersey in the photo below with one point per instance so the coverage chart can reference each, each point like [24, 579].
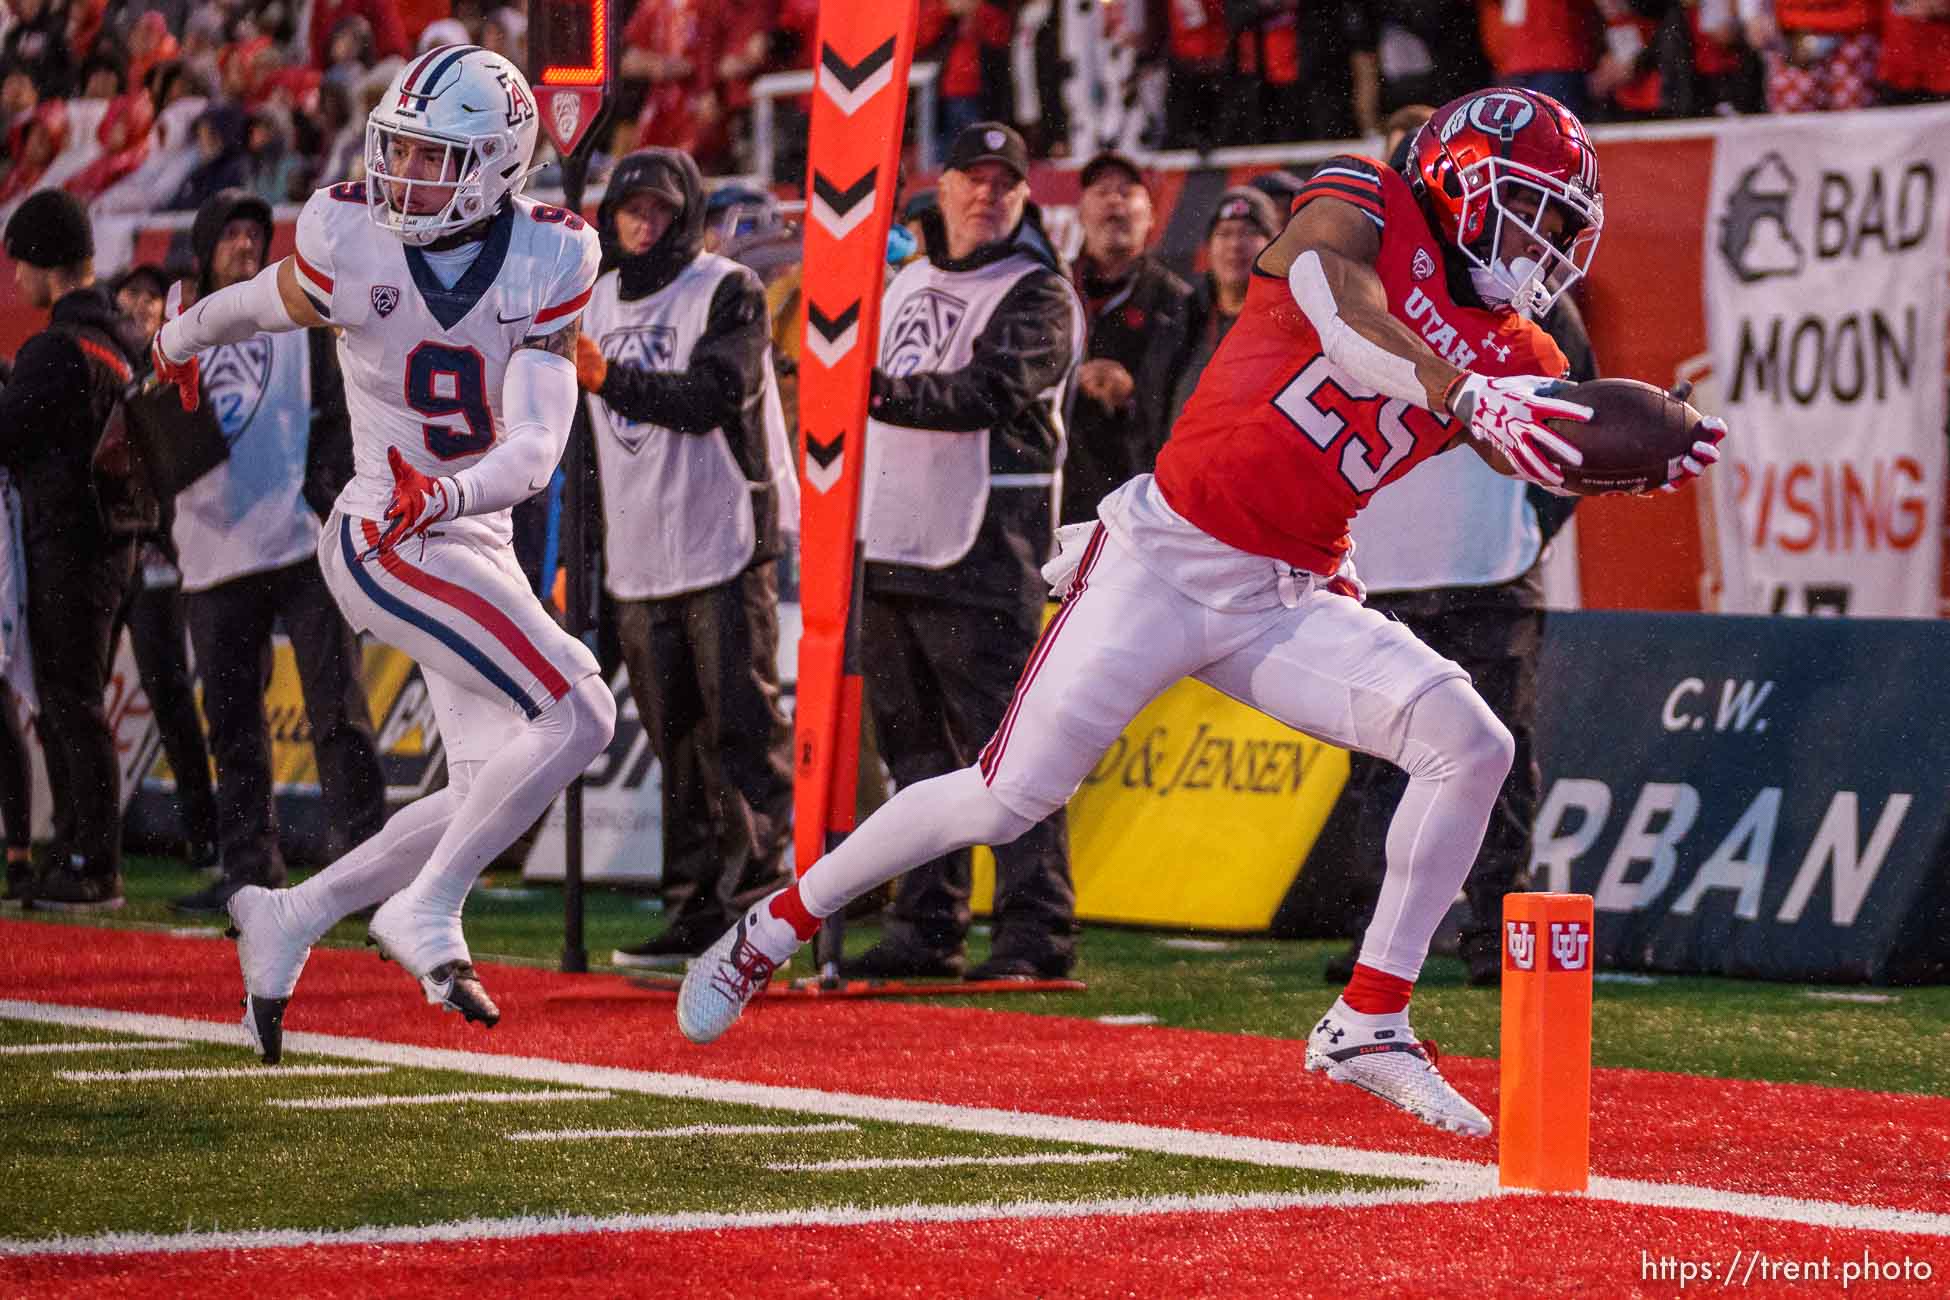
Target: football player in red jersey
[1388, 322]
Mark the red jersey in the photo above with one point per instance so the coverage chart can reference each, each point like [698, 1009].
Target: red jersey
[1278, 447]
[1523, 36]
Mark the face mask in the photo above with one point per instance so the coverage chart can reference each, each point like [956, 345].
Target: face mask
[1519, 284]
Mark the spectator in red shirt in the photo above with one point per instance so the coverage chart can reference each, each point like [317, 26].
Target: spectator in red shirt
[741, 34]
[666, 46]
[388, 32]
[125, 138]
[970, 40]
[1197, 44]
[1915, 65]
[150, 43]
[1543, 45]
[34, 144]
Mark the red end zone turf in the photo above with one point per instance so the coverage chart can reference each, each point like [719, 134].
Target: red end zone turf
[1774, 1139]
[1508, 1247]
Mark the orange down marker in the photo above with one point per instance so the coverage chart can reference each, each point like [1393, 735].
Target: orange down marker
[1544, 1133]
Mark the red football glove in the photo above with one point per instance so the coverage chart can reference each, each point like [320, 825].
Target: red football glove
[1704, 455]
[418, 502]
[182, 374]
[1509, 415]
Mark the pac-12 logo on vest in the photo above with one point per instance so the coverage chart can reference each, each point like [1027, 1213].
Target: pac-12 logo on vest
[385, 297]
[647, 347]
[1519, 945]
[235, 376]
[1570, 945]
[921, 332]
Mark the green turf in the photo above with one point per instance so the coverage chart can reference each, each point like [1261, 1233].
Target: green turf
[203, 1155]
[1695, 1025]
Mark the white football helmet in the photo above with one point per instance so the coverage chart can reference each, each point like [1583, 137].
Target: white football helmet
[473, 107]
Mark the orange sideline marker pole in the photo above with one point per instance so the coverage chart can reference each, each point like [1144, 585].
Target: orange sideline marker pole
[1544, 1129]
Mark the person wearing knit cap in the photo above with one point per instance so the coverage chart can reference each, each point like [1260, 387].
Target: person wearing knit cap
[67, 381]
[1243, 222]
[698, 491]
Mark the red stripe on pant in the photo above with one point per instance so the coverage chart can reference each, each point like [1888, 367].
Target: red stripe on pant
[491, 620]
[992, 752]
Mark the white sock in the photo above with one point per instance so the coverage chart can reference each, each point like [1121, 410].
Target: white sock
[375, 870]
[1364, 1020]
[512, 789]
[919, 824]
[1457, 755]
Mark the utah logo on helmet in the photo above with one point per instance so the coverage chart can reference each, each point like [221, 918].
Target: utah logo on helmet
[448, 143]
[1509, 179]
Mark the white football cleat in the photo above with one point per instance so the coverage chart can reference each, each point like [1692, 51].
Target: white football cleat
[1387, 1061]
[272, 956]
[431, 948]
[729, 974]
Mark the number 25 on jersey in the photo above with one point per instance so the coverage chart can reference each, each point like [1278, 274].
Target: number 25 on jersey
[1324, 403]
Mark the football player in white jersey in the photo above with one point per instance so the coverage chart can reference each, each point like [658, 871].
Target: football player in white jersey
[458, 302]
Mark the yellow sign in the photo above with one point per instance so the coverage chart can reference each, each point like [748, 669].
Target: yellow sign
[1200, 814]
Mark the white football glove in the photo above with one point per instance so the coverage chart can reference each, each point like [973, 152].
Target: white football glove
[1704, 455]
[1509, 415]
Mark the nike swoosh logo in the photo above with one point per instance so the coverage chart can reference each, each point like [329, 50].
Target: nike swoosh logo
[509, 320]
[470, 108]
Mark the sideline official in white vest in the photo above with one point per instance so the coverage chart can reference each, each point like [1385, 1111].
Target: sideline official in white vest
[246, 537]
[1453, 550]
[979, 342]
[697, 480]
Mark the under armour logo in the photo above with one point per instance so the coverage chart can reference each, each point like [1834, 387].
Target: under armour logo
[1570, 945]
[1337, 1035]
[1520, 942]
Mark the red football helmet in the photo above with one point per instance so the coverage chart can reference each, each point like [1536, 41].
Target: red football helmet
[1510, 177]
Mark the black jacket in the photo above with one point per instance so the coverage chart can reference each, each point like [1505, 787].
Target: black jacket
[1023, 351]
[723, 387]
[1143, 323]
[66, 382]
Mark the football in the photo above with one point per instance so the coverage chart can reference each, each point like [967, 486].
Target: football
[1635, 434]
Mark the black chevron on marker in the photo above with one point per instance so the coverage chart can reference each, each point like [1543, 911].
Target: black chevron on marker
[842, 201]
[825, 453]
[852, 75]
[831, 327]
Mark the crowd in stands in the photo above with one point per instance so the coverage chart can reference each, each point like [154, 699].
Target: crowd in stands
[153, 105]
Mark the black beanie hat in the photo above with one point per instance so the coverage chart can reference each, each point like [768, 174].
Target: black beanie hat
[50, 228]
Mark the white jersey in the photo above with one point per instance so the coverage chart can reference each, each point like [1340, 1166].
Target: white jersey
[424, 363]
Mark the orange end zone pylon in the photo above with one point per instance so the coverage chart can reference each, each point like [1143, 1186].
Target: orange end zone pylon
[1544, 1129]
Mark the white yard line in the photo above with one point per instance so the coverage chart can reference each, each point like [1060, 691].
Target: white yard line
[1446, 1180]
[57, 1049]
[679, 1131]
[947, 1162]
[838, 1216]
[260, 1073]
[433, 1099]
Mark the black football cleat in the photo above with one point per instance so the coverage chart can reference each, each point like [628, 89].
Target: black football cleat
[455, 986]
[264, 1026]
